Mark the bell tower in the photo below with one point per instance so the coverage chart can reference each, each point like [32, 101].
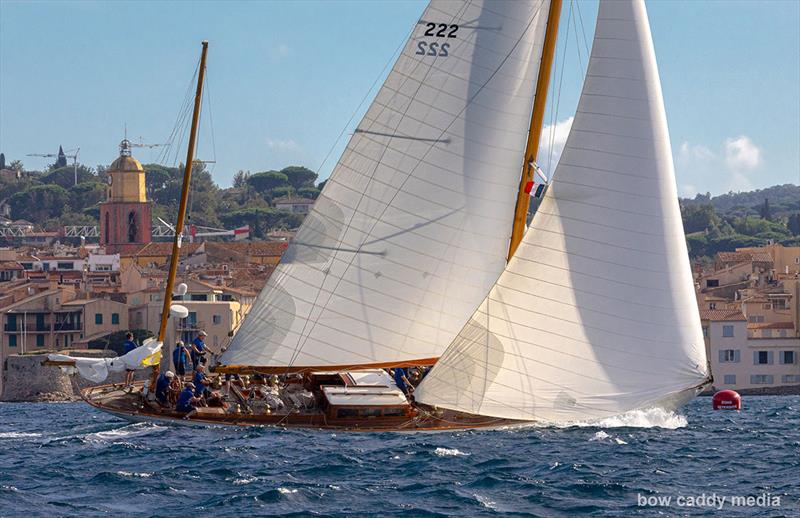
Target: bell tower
[125, 216]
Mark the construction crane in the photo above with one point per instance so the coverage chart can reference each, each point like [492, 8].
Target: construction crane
[73, 156]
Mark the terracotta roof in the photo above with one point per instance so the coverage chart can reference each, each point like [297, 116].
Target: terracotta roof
[163, 249]
[771, 325]
[722, 315]
[744, 257]
[254, 248]
[10, 265]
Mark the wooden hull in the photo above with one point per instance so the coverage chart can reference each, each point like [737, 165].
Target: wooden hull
[129, 406]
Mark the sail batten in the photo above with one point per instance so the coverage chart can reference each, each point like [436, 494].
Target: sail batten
[595, 314]
[403, 243]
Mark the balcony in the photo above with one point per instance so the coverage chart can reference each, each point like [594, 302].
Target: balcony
[67, 327]
[190, 326]
[29, 327]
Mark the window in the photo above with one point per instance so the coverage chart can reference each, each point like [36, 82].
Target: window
[198, 296]
[729, 356]
[780, 304]
[762, 357]
[790, 378]
[712, 305]
[727, 331]
[65, 266]
[766, 333]
[705, 331]
[762, 379]
[102, 267]
[712, 283]
[729, 379]
[787, 357]
[216, 319]
[766, 306]
[755, 319]
[39, 340]
[98, 318]
[12, 340]
[115, 318]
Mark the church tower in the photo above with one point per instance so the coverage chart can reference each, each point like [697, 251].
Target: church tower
[125, 216]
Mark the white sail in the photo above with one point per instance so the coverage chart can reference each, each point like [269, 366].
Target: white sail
[595, 314]
[411, 230]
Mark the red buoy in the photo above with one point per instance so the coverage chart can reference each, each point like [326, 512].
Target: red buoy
[727, 400]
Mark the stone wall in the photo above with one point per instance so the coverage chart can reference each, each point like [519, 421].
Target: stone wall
[26, 379]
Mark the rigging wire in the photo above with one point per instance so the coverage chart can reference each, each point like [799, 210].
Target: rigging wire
[560, 84]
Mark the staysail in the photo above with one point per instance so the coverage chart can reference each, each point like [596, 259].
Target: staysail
[412, 228]
[595, 314]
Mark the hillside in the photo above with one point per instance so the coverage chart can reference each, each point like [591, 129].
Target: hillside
[725, 222]
[49, 199]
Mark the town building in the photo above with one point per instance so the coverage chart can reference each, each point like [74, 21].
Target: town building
[125, 217]
[751, 318]
[294, 204]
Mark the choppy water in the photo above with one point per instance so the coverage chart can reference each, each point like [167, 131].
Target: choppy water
[68, 459]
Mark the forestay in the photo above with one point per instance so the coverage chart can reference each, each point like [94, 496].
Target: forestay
[595, 314]
[411, 230]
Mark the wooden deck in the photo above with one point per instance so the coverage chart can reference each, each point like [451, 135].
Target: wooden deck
[131, 406]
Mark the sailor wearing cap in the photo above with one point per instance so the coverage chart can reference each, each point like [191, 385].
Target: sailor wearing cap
[162, 387]
[199, 349]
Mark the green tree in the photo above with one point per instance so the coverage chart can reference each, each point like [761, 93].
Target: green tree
[261, 220]
[65, 176]
[240, 179]
[764, 210]
[308, 192]
[39, 203]
[794, 224]
[85, 195]
[699, 217]
[299, 176]
[265, 182]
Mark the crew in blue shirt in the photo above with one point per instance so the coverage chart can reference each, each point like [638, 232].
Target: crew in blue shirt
[401, 380]
[162, 387]
[186, 399]
[198, 349]
[129, 346]
[201, 382]
[180, 358]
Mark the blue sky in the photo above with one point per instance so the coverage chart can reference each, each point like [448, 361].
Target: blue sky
[285, 77]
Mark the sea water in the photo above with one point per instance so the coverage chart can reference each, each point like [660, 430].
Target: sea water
[71, 460]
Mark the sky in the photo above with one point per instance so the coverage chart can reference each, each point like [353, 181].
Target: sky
[288, 81]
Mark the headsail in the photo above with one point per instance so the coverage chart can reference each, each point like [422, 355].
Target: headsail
[410, 232]
[595, 314]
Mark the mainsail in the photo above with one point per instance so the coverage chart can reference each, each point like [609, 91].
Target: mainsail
[595, 314]
[412, 228]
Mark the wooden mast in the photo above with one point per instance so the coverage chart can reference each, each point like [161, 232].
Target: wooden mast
[187, 177]
[535, 131]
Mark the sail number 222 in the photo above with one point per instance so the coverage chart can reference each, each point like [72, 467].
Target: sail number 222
[433, 48]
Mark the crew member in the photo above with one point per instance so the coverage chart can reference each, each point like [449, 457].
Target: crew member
[187, 401]
[180, 357]
[401, 380]
[198, 349]
[162, 387]
[129, 346]
[201, 381]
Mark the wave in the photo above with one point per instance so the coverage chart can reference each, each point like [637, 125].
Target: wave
[18, 435]
[449, 452]
[131, 430]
